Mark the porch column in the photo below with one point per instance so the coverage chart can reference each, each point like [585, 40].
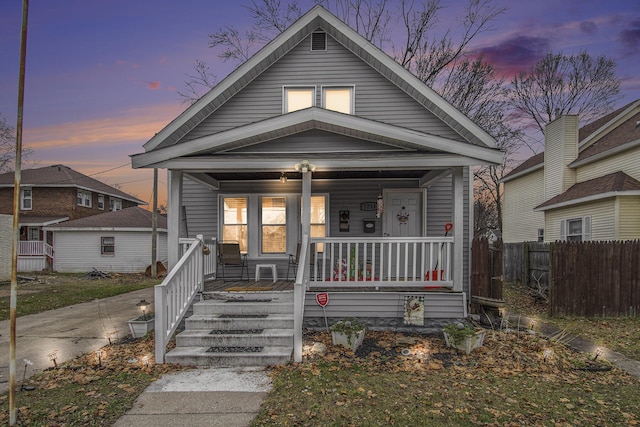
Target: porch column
[306, 210]
[458, 228]
[173, 217]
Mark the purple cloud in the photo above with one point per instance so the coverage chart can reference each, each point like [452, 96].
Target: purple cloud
[516, 54]
[630, 38]
[588, 27]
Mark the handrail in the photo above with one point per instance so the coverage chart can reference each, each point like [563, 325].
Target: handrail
[210, 262]
[174, 295]
[299, 291]
[383, 261]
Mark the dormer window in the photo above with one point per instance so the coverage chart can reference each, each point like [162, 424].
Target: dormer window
[319, 41]
[339, 99]
[298, 98]
[115, 204]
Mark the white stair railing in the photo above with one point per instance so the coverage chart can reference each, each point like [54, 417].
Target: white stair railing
[176, 293]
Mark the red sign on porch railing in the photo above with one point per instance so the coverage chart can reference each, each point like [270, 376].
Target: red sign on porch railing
[322, 299]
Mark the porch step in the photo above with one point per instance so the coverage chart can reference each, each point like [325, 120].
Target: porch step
[214, 321]
[215, 338]
[199, 356]
[237, 329]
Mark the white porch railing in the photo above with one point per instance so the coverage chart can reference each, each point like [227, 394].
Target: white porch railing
[31, 248]
[176, 293]
[382, 261]
[210, 261]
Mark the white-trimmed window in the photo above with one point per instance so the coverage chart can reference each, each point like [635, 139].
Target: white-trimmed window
[274, 225]
[108, 245]
[298, 98]
[33, 233]
[319, 218]
[540, 235]
[26, 199]
[115, 204]
[338, 98]
[576, 229]
[84, 198]
[234, 225]
[101, 202]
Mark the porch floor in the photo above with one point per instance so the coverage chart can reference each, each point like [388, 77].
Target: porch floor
[219, 285]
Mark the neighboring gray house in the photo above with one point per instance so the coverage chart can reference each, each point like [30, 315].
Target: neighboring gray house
[117, 241]
[322, 136]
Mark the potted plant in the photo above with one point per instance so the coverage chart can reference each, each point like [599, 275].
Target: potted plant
[463, 336]
[348, 333]
[141, 325]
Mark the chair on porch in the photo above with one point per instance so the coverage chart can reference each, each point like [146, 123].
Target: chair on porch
[229, 256]
[294, 260]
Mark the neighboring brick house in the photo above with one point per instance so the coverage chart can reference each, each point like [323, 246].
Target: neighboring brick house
[585, 186]
[53, 194]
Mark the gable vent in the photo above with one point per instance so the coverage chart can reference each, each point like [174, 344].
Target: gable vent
[319, 41]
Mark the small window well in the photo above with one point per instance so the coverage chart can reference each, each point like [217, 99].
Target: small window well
[319, 41]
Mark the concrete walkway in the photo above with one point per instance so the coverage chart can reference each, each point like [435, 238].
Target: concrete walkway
[67, 332]
[619, 360]
[211, 397]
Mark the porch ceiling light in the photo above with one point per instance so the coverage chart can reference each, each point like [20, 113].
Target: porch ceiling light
[283, 177]
[305, 166]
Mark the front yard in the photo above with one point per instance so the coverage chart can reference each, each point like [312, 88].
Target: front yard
[517, 378]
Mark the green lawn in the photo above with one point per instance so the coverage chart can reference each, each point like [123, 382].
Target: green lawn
[51, 291]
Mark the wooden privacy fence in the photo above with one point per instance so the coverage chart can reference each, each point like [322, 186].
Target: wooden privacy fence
[486, 269]
[527, 263]
[595, 279]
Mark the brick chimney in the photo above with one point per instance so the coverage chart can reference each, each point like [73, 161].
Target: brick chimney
[561, 148]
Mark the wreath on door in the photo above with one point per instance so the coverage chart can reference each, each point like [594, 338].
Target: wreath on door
[403, 216]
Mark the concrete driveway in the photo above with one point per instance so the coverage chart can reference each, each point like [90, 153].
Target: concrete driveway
[68, 331]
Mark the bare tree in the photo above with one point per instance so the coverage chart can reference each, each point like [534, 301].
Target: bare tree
[559, 84]
[425, 50]
[8, 147]
[474, 88]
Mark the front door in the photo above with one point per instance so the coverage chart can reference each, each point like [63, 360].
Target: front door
[403, 213]
[402, 218]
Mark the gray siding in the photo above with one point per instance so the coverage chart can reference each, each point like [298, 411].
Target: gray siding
[384, 305]
[202, 206]
[376, 97]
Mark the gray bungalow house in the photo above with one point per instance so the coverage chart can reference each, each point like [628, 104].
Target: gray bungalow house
[323, 145]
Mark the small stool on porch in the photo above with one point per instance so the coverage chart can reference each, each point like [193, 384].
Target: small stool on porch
[274, 272]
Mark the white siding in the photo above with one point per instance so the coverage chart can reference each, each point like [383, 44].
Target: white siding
[627, 162]
[603, 219]
[520, 223]
[79, 251]
[6, 242]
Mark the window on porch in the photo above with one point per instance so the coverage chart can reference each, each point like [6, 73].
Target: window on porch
[274, 225]
[26, 198]
[318, 218]
[234, 227]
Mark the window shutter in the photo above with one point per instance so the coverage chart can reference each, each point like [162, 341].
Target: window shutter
[563, 230]
[586, 228]
[319, 41]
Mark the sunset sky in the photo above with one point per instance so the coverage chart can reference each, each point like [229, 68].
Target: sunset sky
[101, 76]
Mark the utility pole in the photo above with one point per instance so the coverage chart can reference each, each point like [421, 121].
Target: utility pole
[16, 220]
